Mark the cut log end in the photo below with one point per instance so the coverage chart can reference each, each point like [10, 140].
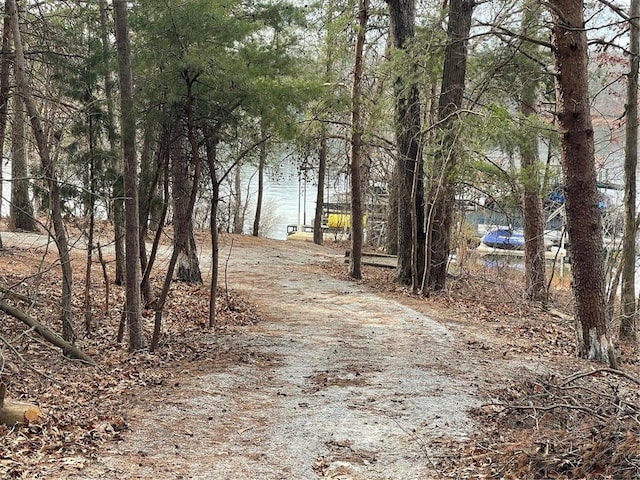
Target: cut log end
[13, 412]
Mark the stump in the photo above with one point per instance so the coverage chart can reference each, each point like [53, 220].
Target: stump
[14, 411]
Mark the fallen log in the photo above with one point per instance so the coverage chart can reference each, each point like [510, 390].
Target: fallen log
[68, 349]
[13, 411]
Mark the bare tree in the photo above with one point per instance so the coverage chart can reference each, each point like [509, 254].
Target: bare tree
[408, 197]
[584, 223]
[21, 210]
[60, 235]
[628, 312]
[5, 67]
[442, 187]
[128, 129]
[355, 264]
[534, 259]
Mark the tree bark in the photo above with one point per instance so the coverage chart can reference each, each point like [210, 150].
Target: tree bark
[5, 65]
[408, 184]
[318, 237]
[355, 262]
[261, 163]
[132, 228]
[534, 248]
[117, 188]
[21, 209]
[49, 173]
[188, 269]
[442, 187]
[628, 313]
[584, 223]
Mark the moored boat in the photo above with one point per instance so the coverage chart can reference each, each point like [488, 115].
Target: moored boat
[504, 238]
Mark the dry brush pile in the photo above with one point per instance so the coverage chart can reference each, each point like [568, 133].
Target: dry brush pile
[586, 426]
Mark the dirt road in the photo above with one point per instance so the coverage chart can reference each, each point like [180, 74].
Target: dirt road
[335, 383]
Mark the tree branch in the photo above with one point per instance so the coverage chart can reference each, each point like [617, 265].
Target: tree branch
[598, 371]
[68, 349]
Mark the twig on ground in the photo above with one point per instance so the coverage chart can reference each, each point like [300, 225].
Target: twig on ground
[598, 371]
[555, 406]
[23, 360]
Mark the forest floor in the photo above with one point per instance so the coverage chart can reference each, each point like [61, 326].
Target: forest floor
[311, 375]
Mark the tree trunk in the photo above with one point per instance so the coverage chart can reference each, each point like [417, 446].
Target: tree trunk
[5, 65]
[210, 145]
[261, 163]
[238, 219]
[355, 263]
[132, 228]
[584, 223]
[318, 237]
[151, 174]
[163, 165]
[442, 188]
[49, 173]
[117, 189]
[534, 248]
[180, 235]
[188, 269]
[21, 210]
[628, 312]
[408, 184]
[88, 314]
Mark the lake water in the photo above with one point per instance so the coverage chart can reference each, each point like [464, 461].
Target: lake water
[289, 198]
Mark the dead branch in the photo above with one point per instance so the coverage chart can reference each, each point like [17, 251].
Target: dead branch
[598, 371]
[17, 296]
[106, 280]
[68, 349]
[23, 360]
[555, 406]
